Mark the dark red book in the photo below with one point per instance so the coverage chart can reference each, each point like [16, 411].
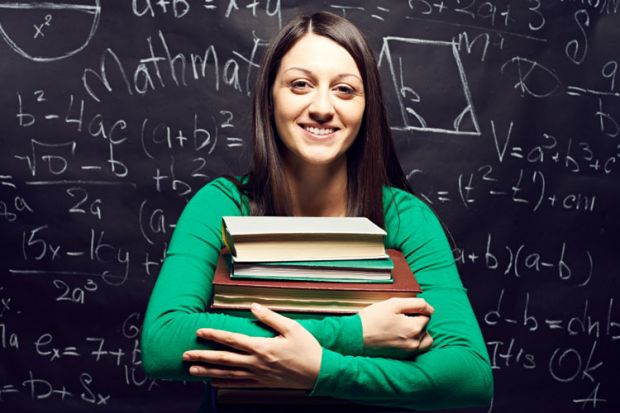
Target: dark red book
[310, 296]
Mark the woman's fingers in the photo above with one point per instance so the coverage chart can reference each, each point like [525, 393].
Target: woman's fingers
[289, 360]
[412, 306]
[234, 340]
[220, 358]
[218, 373]
[397, 324]
[279, 323]
[422, 343]
[417, 323]
[426, 342]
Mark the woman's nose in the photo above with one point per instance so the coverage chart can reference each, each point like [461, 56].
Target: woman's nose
[321, 107]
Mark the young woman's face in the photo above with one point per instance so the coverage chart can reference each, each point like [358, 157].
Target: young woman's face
[318, 99]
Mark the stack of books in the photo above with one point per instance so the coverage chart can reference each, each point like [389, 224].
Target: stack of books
[308, 264]
[304, 264]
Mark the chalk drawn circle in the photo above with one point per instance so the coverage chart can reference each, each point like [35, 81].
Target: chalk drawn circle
[95, 10]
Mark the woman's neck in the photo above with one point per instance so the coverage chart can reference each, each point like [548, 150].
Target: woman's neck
[318, 190]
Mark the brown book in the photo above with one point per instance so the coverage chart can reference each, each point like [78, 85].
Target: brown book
[310, 296]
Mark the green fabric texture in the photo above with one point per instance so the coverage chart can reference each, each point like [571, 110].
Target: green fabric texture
[455, 372]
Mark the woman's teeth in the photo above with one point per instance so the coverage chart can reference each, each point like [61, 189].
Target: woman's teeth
[319, 131]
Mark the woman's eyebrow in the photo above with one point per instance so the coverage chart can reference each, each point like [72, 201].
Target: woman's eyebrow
[309, 73]
[301, 69]
[350, 74]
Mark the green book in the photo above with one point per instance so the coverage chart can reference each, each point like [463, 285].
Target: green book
[362, 270]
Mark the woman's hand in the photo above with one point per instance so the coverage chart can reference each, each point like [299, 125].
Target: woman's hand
[396, 327]
[290, 360]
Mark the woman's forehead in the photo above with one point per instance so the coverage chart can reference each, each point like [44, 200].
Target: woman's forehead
[319, 54]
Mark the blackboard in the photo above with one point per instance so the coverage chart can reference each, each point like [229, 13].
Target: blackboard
[113, 114]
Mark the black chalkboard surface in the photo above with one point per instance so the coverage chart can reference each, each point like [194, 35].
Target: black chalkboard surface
[113, 114]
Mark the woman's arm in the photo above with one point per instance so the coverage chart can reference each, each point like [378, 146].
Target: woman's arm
[178, 306]
[456, 372]
[451, 374]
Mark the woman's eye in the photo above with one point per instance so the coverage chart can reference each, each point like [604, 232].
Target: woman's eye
[299, 85]
[346, 91]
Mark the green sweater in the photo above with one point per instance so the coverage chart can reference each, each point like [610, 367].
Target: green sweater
[455, 372]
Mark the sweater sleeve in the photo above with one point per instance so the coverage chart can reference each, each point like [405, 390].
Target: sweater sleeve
[179, 302]
[456, 371]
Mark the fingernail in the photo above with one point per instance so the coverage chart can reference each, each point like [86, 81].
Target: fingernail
[257, 307]
[202, 331]
[187, 356]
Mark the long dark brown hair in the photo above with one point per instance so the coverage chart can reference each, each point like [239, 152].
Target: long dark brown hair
[371, 159]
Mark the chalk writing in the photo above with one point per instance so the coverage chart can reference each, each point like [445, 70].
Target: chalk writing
[505, 115]
[520, 261]
[149, 76]
[66, 9]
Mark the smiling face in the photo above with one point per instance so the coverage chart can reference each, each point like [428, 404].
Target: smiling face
[318, 101]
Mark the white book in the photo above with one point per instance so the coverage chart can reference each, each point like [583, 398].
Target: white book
[302, 238]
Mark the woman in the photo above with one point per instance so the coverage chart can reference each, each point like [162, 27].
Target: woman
[322, 147]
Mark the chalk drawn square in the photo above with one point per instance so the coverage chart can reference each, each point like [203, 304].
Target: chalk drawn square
[48, 31]
[430, 86]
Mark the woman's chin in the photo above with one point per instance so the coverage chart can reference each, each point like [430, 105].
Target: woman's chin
[314, 157]
[323, 160]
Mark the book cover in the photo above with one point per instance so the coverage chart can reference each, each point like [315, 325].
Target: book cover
[242, 226]
[308, 296]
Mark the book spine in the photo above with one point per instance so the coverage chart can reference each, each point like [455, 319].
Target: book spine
[228, 240]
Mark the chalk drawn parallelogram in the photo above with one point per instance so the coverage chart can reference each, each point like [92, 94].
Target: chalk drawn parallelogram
[430, 85]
